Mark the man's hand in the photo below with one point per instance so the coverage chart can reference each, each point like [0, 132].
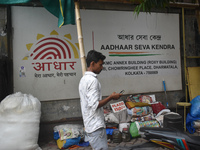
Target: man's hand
[115, 95]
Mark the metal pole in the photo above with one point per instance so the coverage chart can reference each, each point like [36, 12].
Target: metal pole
[185, 57]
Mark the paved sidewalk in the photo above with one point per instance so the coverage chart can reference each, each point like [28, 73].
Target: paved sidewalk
[136, 143]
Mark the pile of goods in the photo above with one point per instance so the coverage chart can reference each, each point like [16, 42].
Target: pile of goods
[123, 121]
[124, 118]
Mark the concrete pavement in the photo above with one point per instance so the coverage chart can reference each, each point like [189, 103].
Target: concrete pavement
[136, 144]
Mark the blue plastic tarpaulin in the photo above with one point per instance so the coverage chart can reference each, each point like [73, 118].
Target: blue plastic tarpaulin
[194, 114]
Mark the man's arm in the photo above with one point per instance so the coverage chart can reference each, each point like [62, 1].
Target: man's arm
[113, 96]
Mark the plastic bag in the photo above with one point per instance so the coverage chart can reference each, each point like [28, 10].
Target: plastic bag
[189, 123]
[157, 107]
[134, 130]
[195, 107]
[123, 125]
[196, 124]
[111, 118]
[19, 122]
[64, 144]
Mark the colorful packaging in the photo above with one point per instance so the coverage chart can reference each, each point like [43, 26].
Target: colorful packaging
[145, 99]
[137, 104]
[152, 123]
[64, 144]
[139, 111]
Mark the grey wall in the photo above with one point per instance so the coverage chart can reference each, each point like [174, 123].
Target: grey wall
[69, 111]
[62, 110]
[56, 110]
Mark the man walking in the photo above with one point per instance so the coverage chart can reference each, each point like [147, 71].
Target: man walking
[92, 103]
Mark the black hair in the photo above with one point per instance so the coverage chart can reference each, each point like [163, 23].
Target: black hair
[94, 56]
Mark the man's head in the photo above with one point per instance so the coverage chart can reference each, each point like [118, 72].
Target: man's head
[94, 61]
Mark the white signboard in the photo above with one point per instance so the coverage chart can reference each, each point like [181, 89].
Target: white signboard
[140, 52]
[117, 107]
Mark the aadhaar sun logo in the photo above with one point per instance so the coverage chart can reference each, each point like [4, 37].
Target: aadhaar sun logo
[52, 52]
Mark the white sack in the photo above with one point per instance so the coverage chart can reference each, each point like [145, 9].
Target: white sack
[124, 125]
[111, 118]
[19, 122]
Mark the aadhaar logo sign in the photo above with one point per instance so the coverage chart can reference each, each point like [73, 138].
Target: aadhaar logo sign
[53, 53]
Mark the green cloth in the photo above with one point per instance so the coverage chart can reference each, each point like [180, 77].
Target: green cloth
[13, 1]
[62, 9]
